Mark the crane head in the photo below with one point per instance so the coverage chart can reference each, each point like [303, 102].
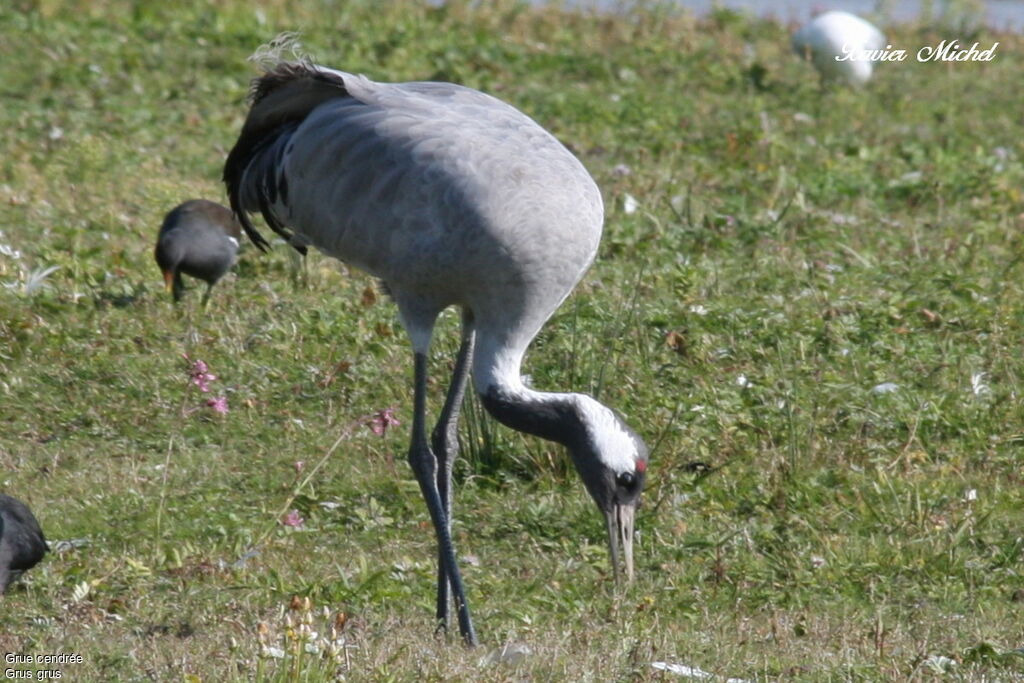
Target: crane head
[610, 457]
[612, 461]
[619, 514]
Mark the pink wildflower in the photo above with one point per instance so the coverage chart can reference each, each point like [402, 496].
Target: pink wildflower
[200, 375]
[380, 422]
[292, 518]
[299, 464]
[219, 404]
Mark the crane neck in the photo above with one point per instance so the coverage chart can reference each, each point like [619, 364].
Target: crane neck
[596, 438]
[550, 416]
[553, 416]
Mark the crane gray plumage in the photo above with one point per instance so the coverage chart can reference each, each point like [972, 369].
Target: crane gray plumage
[198, 238]
[22, 544]
[452, 198]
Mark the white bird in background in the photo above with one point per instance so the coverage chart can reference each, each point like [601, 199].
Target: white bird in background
[452, 198]
[839, 34]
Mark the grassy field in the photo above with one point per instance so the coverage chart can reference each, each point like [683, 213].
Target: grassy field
[810, 303]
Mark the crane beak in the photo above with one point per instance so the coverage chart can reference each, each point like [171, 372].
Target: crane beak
[169, 281]
[620, 532]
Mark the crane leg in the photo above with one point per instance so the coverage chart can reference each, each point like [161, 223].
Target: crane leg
[444, 441]
[424, 465]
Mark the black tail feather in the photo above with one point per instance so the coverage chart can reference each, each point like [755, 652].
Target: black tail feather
[261, 168]
[281, 100]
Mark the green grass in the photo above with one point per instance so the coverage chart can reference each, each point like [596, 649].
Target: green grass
[792, 250]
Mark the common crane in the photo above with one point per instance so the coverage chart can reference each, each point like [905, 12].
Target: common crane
[451, 198]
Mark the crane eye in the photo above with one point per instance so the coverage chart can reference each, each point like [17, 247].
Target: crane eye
[626, 480]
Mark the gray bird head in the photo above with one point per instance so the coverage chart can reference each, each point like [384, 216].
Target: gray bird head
[612, 461]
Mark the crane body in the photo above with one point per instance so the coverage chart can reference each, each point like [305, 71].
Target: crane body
[451, 198]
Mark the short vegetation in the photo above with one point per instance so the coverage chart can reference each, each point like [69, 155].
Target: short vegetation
[808, 301]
